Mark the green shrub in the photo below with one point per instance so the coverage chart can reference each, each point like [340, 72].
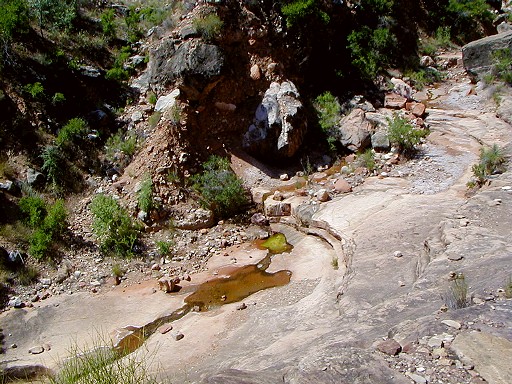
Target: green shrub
[502, 59]
[402, 134]
[164, 247]
[107, 23]
[145, 194]
[152, 99]
[299, 11]
[53, 166]
[34, 210]
[367, 160]
[73, 130]
[49, 223]
[113, 226]
[423, 77]
[104, 364]
[370, 49]
[457, 295]
[121, 142]
[154, 119]
[328, 110]
[13, 18]
[508, 288]
[471, 9]
[40, 241]
[221, 190]
[492, 160]
[208, 26]
[58, 98]
[117, 74]
[54, 14]
[36, 90]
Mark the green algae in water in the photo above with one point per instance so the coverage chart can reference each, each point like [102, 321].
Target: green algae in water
[276, 244]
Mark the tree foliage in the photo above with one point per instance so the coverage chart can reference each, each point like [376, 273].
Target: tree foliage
[221, 190]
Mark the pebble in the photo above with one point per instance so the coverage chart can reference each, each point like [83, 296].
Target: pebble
[452, 324]
[177, 335]
[398, 254]
[163, 329]
[284, 177]
[390, 347]
[241, 306]
[36, 350]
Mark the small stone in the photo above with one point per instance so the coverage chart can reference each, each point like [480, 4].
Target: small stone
[47, 347]
[14, 346]
[223, 298]
[439, 352]
[163, 329]
[455, 257]
[451, 324]
[15, 302]
[322, 195]
[342, 186]
[392, 100]
[255, 72]
[177, 335]
[155, 267]
[418, 109]
[36, 350]
[284, 177]
[46, 282]
[390, 347]
[435, 341]
[397, 254]
[241, 306]
[417, 378]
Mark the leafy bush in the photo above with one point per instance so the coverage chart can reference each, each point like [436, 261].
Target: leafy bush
[54, 14]
[154, 119]
[457, 295]
[49, 223]
[74, 129]
[145, 194]
[36, 90]
[34, 210]
[370, 49]
[402, 134]
[121, 143]
[367, 160]
[107, 23]
[58, 98]
[53, 165]
[471, 9]
[423, 77]
[298, 11]
[208, 26]
[164, 247]
[492, 161]
[117, 74]
[113, 226]
[221, 190]
[328, 110]
[13, 18]
[103, 365]
[152, 99]
[503, 65]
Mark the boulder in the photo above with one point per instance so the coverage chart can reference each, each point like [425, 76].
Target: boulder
[504, 27]
[259, 194]
[477, 56]
[342, 186]
[196, 219]
[10, 187]
[35, 178]
[275, 208]
[418, 109]
[279, 124]
[259, 219]
[427, 61]
[380, 141]
[395, 101]
[389, 347]
[255, 72]
[504, 111]
[360, 102]
[401, 88]
[322, 195]
[173, 59]
[353, 131]
[166, 102]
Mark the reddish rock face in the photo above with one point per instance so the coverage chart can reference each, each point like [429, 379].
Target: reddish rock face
[389, 347]
[392, 100]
